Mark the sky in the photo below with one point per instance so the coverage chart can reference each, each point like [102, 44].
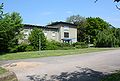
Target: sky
[43, 12]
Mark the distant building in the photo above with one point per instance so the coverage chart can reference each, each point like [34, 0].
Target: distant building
[58, 31]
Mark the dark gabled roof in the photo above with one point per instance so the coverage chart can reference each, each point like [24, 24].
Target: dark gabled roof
[38, 26]
[31, 25]
[56, 23]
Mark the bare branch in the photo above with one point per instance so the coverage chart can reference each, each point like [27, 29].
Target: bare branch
[117, 7]
[95, 1]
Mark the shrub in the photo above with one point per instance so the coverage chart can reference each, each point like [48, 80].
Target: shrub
[36, 36]
[29, 48]
[80, 45]
[18, 48]
[53, 45]
[106, 38]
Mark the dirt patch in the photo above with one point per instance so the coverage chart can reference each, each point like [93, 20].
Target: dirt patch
[23, 65]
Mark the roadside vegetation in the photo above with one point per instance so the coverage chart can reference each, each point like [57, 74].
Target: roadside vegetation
[2, 70]
[48, 53]
[113, 77]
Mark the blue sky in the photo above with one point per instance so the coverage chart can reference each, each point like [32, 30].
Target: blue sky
[43, 12]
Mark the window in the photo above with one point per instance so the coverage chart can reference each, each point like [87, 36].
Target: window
[66, 28]
[66, 34]
[53, 34]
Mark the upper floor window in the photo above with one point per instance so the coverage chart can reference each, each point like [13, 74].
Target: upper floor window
[53, 34]
[66, 34]
[66, 28]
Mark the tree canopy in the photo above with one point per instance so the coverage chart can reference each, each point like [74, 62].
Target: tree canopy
[37, 39]
[10, 27]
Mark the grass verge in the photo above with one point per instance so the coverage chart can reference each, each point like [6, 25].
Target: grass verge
[48, 53]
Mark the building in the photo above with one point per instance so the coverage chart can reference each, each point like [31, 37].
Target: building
[58, 31]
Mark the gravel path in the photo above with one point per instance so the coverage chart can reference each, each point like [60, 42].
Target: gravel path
[96, 62]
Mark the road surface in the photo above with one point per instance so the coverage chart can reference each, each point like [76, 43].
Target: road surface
[97, 62]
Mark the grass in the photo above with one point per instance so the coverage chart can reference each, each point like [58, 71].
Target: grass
[2, 70]
[113, 77]
[48, 53]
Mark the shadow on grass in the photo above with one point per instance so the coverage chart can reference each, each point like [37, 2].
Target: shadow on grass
[83, 74]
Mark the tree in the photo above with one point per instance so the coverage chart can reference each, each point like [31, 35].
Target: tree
[116, 32]
[37, 38]
[1, 11]
[10, 27]
[114, 0]
[75, 19]
[106, 38]
[94, 25]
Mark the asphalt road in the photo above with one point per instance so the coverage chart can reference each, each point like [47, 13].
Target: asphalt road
[97, 63]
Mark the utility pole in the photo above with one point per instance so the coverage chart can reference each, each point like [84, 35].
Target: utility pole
[89, 40]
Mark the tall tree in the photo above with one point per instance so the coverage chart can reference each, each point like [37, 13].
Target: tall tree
[10, 27]
[1, 11]
[75, 19]
[94, 25]
[106, 38]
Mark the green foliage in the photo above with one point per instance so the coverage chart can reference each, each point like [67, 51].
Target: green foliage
[37, 39]
[94, 25]
[10, 27]
[106, 38]
[2, 70]
[75, 19]
[29, 48]
[116, 32]
[19, 48]
[53, 45]
[1, 11]
[112, 77]
[80, 45]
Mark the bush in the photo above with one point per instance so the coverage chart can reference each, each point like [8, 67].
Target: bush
[80, 45]
[53, 45]
[18, 48]
[106, 38]
[37, 36]
[29, 48]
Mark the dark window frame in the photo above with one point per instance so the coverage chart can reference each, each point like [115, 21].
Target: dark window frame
[66, 34]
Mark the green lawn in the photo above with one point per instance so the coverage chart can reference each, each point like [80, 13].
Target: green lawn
[2, 70]
[47, 53]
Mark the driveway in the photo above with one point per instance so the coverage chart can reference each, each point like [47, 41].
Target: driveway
[64, 68]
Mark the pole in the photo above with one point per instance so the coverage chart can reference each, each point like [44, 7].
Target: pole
[39, 42]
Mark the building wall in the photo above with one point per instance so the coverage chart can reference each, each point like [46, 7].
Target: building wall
[51, 34]
[71, 30]
[56, 33]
